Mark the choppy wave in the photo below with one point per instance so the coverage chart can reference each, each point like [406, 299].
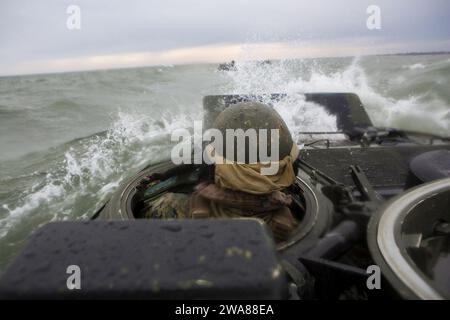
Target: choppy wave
[254, 77]
[87, 170]
[415, 66]
[423, 109]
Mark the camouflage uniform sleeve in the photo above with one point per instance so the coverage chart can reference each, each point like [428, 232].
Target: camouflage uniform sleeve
[168, 206]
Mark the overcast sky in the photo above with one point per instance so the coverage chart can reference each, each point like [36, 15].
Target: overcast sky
[34, 37]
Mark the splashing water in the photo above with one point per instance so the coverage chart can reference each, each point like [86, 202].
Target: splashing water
[85, 172]
[424, 111]
[263, 78]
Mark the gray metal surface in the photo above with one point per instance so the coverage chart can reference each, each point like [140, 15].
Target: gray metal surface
[385, 167]
[148, 259]
[412, 214]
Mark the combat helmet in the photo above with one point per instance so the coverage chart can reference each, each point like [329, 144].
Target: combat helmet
[255, 115]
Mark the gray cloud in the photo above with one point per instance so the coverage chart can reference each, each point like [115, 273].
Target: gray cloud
[35, 30]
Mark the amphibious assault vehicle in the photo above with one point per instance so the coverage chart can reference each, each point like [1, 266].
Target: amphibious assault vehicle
[373, 212]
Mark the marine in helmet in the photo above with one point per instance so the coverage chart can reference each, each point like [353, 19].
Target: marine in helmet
[239, 188]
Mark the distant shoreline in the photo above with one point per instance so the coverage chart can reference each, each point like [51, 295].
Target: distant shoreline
[431, 53]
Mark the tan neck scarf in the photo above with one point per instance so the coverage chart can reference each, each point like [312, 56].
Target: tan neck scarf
[248, 177]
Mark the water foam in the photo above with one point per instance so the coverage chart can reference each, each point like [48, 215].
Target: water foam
[92, 168]
[415, 66]
[262, 78]
[417, 112]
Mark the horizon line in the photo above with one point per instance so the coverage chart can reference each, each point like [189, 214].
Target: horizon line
[412, 53]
